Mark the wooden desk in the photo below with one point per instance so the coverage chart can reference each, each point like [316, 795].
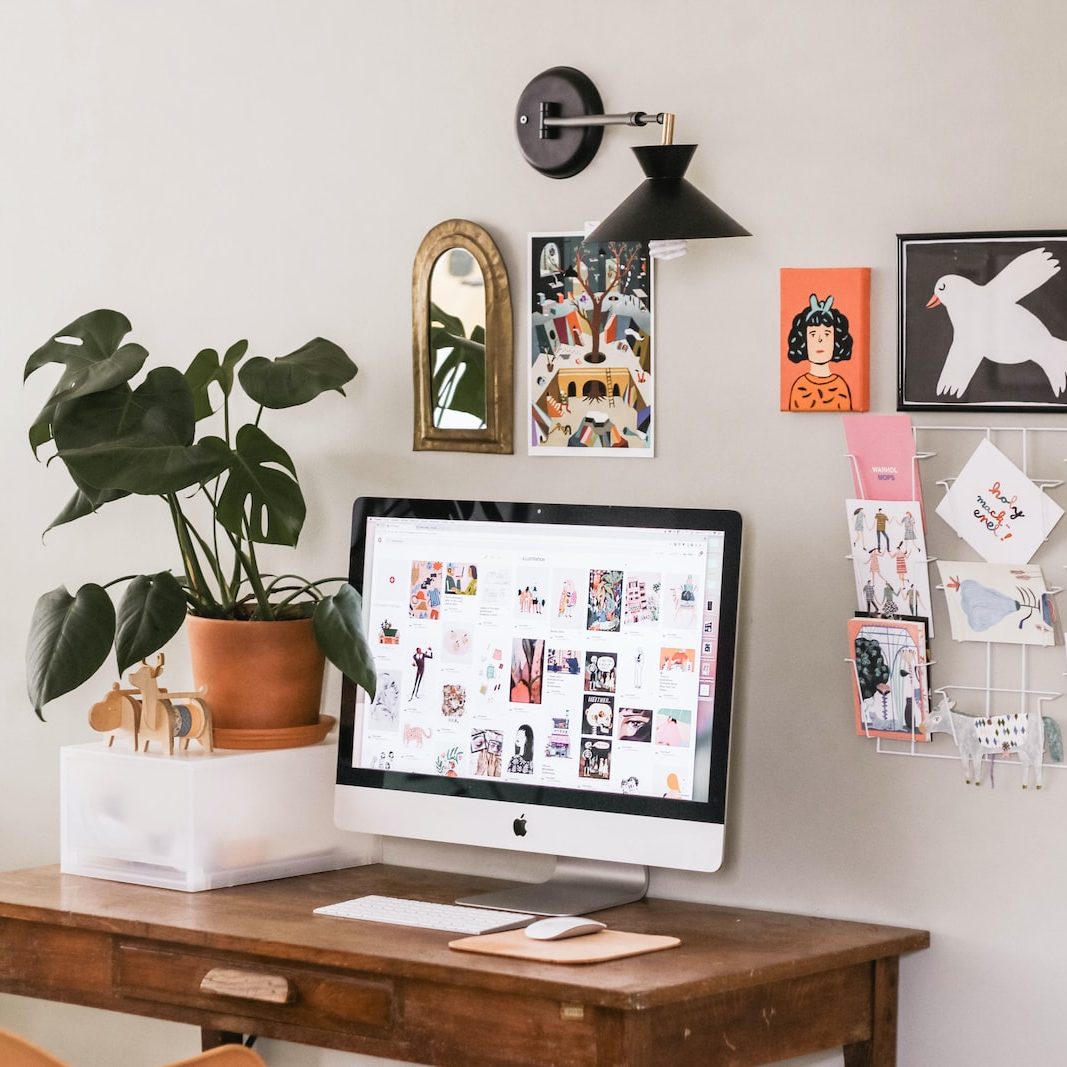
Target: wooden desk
[745, 987]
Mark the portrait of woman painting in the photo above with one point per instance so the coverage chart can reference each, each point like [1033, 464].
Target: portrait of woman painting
[825, 339]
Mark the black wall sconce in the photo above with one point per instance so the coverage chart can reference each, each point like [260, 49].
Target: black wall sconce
[560, 122]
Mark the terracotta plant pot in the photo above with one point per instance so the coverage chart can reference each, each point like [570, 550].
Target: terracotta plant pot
[259, 675]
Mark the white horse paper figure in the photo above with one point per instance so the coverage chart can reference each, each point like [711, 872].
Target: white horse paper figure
[1024, 734]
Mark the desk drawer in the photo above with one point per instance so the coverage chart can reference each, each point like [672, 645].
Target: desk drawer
[255, 989]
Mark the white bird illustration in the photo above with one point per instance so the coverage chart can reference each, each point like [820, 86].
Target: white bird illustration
[988, 323]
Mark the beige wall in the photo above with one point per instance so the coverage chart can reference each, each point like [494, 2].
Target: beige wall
[230, 169]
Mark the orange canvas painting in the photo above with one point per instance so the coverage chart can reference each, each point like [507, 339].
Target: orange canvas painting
[825, 338]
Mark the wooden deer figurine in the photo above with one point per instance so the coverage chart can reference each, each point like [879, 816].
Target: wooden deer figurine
[166, 715]
[117, 713]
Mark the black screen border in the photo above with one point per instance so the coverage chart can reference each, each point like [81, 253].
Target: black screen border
[700, 519]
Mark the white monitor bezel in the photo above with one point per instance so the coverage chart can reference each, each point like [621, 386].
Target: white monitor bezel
[681, 834]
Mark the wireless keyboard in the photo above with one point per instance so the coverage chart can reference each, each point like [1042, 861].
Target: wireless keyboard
[455, 918]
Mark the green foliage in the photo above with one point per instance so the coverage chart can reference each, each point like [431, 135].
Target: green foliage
[116, 439]
[464, 365]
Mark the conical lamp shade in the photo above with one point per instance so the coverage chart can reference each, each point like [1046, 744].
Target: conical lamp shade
[665, 206]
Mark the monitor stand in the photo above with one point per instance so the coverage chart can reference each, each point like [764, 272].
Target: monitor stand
[576, 887]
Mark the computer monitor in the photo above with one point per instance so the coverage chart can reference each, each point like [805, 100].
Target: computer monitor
[552, 678]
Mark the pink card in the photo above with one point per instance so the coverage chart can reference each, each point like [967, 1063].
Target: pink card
[883, 457]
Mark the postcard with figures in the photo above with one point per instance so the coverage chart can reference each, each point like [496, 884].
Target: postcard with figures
[889, 558]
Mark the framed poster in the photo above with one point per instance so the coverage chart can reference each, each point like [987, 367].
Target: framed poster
[982, 321]
[589, 371]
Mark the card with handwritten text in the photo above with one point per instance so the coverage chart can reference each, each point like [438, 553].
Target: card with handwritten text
[997, 509]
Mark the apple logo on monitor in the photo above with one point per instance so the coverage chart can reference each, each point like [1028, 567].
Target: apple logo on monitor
[519, 826]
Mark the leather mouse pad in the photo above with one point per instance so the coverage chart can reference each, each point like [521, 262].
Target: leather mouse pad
[590, 948]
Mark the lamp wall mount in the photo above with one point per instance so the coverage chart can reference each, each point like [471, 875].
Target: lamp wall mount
[560, 120]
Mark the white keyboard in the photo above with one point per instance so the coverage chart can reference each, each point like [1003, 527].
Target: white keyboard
[456, 918]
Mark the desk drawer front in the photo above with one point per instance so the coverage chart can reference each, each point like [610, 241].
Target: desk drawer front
[321, 1000]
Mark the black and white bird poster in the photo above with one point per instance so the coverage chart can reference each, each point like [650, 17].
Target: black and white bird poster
[982, 321]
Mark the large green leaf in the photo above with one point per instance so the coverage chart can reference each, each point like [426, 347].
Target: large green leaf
[467, 356]
[82, 380]
[85, 502]
[338, 624]
[151, 612]
[100, 333]
[207, 369]
[261, 489]
[200, 374]
[450, 323]
[80, 346]
[70, 637]
[301, 376]
[139, 441]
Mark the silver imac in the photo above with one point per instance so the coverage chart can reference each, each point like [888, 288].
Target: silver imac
[551, 678]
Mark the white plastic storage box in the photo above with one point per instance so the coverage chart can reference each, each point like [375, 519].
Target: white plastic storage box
[202, 820]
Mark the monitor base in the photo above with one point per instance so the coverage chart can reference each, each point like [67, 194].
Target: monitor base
[576, 887]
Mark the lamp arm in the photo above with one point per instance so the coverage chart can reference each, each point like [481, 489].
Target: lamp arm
[625, 118]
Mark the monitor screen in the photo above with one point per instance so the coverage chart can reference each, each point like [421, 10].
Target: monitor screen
[558, 668]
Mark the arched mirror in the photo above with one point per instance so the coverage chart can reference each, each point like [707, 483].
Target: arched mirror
[462, 348]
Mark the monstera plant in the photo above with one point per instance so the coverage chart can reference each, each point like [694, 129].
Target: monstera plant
[225, 493]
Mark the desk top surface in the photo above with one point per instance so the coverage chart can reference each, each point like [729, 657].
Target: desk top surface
[722, 947]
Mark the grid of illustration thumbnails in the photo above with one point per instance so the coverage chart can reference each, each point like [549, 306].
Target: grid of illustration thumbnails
[572, 664]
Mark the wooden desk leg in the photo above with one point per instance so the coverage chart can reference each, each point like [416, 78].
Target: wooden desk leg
[210, 1039]
[881, 1049]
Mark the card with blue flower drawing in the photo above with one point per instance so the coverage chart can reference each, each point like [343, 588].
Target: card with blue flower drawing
[998, 602]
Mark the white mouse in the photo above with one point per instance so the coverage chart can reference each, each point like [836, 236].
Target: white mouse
[560, 926]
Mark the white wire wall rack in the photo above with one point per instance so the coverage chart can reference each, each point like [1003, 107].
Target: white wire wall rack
[987, 693]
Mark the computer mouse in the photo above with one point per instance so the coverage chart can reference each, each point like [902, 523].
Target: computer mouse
[560, 926]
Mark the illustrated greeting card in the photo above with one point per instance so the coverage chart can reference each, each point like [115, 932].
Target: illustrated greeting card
[997, 509]
[998, 602]
[890, 687]
[882, 448]
[889, 557]
[825, 339]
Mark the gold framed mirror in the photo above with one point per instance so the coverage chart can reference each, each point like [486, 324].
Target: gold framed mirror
[461, 342]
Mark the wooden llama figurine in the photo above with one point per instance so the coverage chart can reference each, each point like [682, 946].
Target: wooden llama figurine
[117, 713]
[166, 716]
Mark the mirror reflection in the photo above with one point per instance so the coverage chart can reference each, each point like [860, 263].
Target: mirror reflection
[457, 342]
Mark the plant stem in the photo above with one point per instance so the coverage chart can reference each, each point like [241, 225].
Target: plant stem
[265, 611]
[124, 578]
[190, 561]
[307, 587]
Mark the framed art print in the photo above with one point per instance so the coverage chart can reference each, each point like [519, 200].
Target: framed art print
[590, 366]
[982, 321]
[825, 315]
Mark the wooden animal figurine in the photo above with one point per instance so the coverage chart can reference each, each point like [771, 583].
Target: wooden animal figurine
[1025, 734]
[166, 715]
[117, 713]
